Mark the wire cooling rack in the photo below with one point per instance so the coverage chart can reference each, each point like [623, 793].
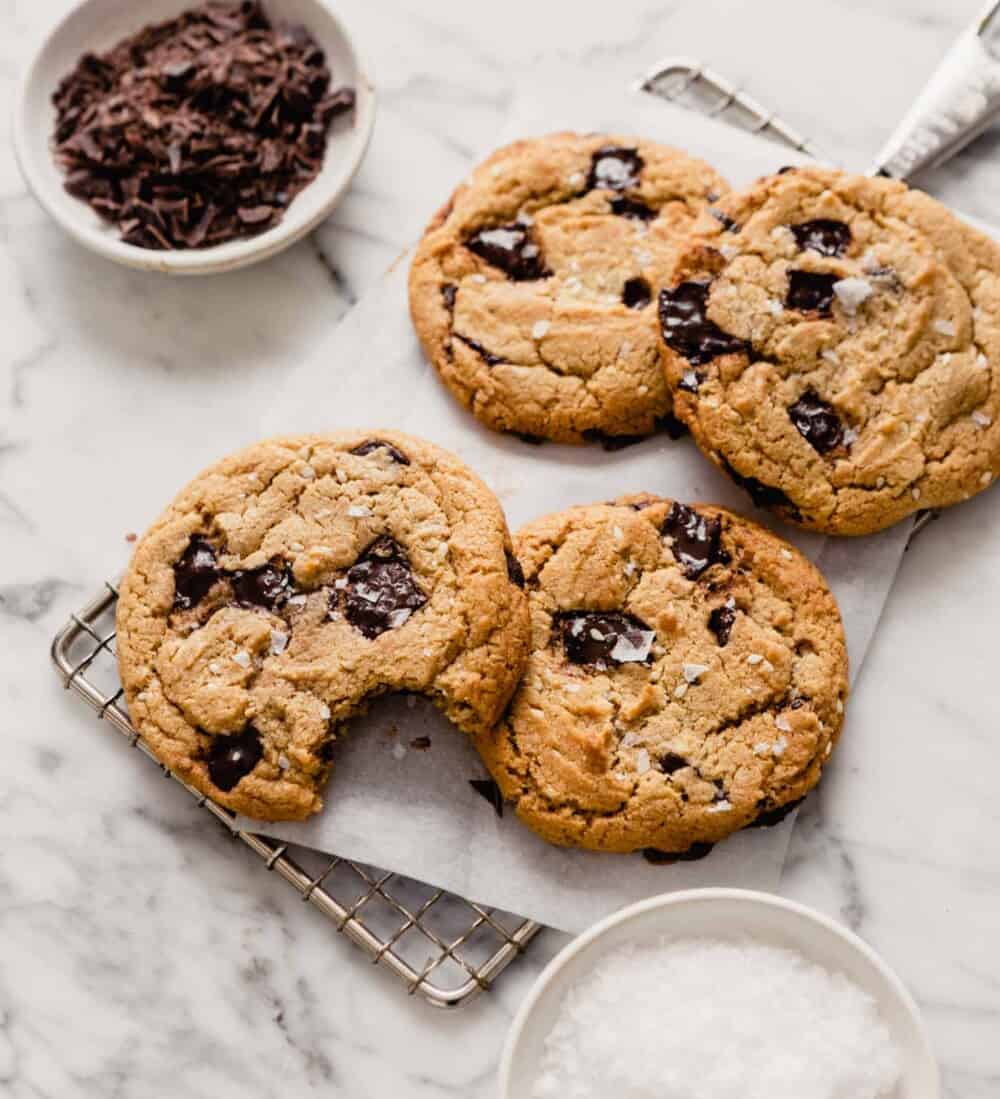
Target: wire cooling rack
[441, 946]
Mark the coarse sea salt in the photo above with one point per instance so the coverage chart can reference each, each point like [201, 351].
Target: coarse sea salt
[713, 1019]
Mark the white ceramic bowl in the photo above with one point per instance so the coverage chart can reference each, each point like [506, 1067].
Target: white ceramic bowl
[721, 914]
[96, 25]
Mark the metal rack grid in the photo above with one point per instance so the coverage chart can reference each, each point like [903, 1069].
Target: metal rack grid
[444, 947]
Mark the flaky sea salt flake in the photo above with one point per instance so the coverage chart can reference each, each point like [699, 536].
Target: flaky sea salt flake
[627, 651]
[852, 292]
[693, 672]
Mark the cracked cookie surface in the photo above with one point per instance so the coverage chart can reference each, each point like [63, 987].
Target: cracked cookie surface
[834, 345]
[295, 580]
[532, 289]
[687, 678]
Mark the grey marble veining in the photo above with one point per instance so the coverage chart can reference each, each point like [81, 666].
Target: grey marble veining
[143, 955]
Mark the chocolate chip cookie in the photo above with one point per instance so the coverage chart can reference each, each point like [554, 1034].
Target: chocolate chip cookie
[532, 289]
[687, 678]
[294, 581]
[834, 346]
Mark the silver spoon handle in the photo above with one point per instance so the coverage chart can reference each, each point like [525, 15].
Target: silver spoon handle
[961, 99]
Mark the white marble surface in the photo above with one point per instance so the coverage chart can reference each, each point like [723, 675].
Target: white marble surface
[141, 955]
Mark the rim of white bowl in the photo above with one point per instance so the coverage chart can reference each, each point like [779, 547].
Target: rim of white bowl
[687, 896]
[228, 256]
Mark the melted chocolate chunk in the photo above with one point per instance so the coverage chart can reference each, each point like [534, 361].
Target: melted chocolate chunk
[631, 208]
[267, 587]
[420, 743]
[672, 426]
[448, 293]
[823, 235]
[671, 762]
[696, 540]
[590, 637]
[514, 570]
[371, 445]
[810, 292]
[636, 293]
[665, 858]
[487, 356]
[512, 249]
[817, 422]
[195, 573]
[764, 496]
[381, 593]
[610, 443]
[724, 220]
[720, 622]
[488, 789]
[686, 328]
[785, 169]
[531, 440]
[230, 758]
[614, 169]
[770, 817]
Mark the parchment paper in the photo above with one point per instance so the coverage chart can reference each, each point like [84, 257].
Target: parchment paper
[414, 811]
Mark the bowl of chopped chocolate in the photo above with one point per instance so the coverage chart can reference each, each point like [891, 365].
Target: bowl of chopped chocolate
[193, 139]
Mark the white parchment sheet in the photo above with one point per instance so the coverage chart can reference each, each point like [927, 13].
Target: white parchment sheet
[413, 811]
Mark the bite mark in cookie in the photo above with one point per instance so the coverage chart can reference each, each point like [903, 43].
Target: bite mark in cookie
[291, 583]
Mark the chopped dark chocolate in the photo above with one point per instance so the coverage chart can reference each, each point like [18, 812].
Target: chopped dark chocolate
[198, 130]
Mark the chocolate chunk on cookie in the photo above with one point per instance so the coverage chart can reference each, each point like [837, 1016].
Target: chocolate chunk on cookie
[833, 344]
[292, 582]
[687, 679]
[533, 291]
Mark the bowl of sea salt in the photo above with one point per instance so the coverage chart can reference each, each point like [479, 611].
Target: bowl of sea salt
[718, 994]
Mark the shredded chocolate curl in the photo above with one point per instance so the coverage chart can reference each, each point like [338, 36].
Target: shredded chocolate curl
[198, 130]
